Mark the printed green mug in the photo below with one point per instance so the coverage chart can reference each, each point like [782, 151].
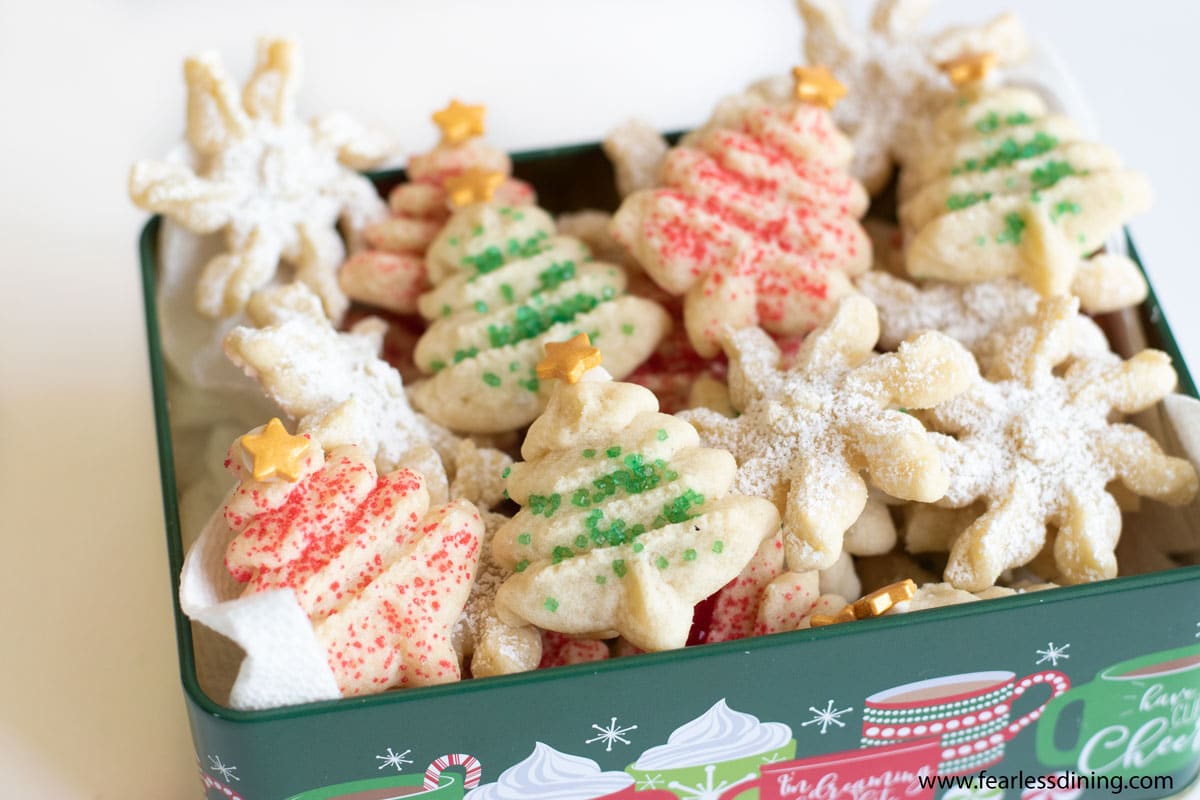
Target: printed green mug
[1140, 717]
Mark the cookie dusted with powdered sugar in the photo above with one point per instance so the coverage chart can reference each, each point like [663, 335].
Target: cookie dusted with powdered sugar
[1039, 451]
[808, 435]
[275, 186]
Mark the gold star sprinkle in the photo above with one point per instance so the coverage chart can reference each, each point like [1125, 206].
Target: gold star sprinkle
[875, 604]
[473, 186]
[568, 360]
[275, 451]
[817, 86]
[459, 122]
[969, 68]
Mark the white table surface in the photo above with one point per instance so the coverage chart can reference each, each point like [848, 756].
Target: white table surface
[90, 704]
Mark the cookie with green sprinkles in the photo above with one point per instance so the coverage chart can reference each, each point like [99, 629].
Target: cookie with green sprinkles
[504, 285]
[626, 522]
[1005, 189]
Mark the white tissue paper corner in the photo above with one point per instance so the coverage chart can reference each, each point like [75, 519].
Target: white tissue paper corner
[283, 663]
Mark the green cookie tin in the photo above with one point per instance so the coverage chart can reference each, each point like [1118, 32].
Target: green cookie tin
[1031, 694]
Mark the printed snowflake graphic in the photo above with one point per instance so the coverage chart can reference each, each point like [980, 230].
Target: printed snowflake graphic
[1053, 653]
[826, 716]
[1198, 631]
[650, 782]
[394, 759]
[707, 790]
[228, 773]
[773, 758]
[610, 735]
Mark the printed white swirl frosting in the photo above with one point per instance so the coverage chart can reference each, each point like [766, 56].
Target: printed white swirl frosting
[719, 734]
[550, 775]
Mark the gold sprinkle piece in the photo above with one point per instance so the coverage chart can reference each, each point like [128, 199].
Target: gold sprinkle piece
[459, 122]
[817, 86]
[275, 451]
[473, 186]
[569, 360]
[970, 68]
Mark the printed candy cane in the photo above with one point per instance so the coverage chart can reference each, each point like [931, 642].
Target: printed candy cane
[212, 783]
[434, 773]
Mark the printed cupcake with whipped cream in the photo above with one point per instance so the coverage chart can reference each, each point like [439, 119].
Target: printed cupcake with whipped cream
[550, 775]
[719, 749]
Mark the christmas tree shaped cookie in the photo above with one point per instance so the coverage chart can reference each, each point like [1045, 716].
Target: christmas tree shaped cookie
[390, 274]
[626, 523]
[758, 220]
[381, 576]
[504, 285]
[1004, 188]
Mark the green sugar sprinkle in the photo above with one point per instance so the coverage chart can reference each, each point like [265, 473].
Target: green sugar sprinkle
[530, 322]
[689, 555]
[589, 453]
[1014, 226]
[581, 541]
[627, 329]
[618, 567]
[525, 538]
[559, 553]
[580, 498]
[481, 306]
[718, 546]
[447, 310]
[956, 202]
[678, 509]
[477, 231]
[600, 579]
[981, 240]
[555, 275]
[506, 472]
[1064, 207]
[492, 258]
[463, 355]
[437, 366]
[613, 451]
[989, 123]
[531, 384]
[513, 366]
[661, 562]
[550, 605]
[521, 566]
[661, 435]
[453, 241]
[506, 291]
[1008, 152]
[491, 379]
[544, 505]
[638, 547]
[608, 293]
[1050, 173]
[1019, 118]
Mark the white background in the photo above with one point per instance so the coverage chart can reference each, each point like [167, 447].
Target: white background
[90, 704]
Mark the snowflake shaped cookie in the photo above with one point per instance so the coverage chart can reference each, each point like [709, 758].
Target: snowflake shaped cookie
[336, 385]
[807, 435]
[1039, 450]
[891, 72]
[977, 315]
[274, 185]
